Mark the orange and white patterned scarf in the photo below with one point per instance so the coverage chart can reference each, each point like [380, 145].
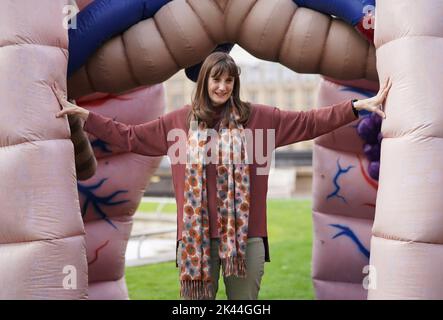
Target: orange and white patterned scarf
[232, 207]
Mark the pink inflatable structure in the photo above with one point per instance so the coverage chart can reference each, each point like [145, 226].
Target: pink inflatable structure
[109, 199]
[43, 248]
[41, 230]
[344, 198]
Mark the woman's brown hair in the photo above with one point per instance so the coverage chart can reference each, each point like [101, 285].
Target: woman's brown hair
[202, 109]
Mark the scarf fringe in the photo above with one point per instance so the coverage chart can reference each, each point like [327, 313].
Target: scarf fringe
[234, 266]
[195, 289]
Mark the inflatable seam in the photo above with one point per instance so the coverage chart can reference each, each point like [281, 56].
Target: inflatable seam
[128, 61]
[354, 153]
[166, 44]
[218, 6]
[322, 50]
[276, 57]
[38, 240]
[340, 281]
[341, 215]
[263, 34]
[248, 12]
[338, 214]
[408, 37]
[285, 34]
[88, 76]
[368, 50]
[35, 45]
[346, 57]
[393, 238]
[409, 134]
[32, 142]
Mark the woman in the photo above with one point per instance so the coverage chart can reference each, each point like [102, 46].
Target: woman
[221, 203]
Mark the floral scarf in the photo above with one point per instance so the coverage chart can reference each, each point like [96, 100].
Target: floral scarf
[232, 207]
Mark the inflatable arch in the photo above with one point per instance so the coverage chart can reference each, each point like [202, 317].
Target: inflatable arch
[37, 158]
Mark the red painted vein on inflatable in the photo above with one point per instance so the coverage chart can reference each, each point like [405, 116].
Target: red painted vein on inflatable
[368, 179]
[97, 251]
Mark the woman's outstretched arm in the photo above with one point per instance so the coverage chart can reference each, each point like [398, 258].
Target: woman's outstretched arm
[147, 139]
[295, 126]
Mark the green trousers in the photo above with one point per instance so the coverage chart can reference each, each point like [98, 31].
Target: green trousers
[238, 288]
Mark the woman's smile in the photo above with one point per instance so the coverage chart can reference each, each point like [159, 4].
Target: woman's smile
[220, 88]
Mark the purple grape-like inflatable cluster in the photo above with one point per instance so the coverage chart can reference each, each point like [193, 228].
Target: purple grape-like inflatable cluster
[369, 130]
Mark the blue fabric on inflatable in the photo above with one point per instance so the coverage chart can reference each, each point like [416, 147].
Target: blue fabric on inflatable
[102, 20]
[349, 10]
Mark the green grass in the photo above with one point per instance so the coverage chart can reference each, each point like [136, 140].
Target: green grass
[149, 207]
[287, 276]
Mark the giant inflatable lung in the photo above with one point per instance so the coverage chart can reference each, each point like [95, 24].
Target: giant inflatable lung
[295, 46]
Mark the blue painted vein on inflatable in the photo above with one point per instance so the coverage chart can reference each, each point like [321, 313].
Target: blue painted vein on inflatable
[347, 232]
[97, 201]
[336, 192]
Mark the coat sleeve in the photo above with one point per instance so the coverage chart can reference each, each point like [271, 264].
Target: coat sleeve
[295, 126]
[147, 139]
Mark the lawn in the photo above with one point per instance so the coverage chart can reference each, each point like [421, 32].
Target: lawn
[287, 276]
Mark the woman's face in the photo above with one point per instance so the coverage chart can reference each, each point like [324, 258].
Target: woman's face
[220, 88]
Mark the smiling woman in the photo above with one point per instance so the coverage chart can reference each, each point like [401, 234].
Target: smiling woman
[220, 88]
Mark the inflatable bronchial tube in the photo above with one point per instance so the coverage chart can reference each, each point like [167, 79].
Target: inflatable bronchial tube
[406, 247]
[153, 50]
[94, 25]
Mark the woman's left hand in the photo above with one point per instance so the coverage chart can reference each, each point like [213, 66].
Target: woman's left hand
[375, 104]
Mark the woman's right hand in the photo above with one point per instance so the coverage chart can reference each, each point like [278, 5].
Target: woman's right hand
[68, 108]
